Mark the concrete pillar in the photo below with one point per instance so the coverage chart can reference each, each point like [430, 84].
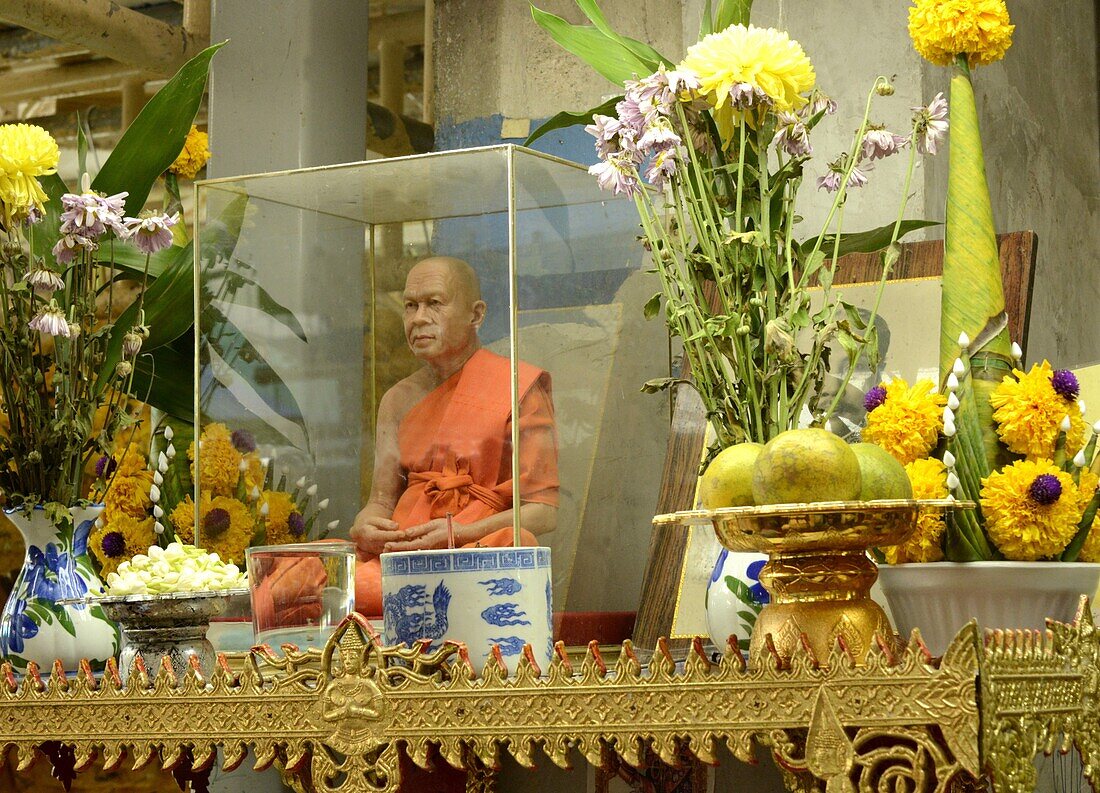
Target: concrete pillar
[290, 88]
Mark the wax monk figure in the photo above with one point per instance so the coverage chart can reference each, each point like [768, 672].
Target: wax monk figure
[443, 444]
[444, 436]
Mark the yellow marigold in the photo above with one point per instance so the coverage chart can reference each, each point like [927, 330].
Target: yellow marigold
[26, 152]
[1086, 487]
[929, 480]
[1029, 413]
[119, 539]
[221, 462]
[130, 461]
[904, 421]
[226, 526]
[196, 151]
[762, 58]
[279, 506]
[128, 495]
[254, 474]
[1031, 509]
[942, 29]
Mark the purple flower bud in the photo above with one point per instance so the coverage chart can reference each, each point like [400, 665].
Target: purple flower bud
[1065, 383]
[243, 441]
[874, 398]
[1045, 490]
[296, 524]
[105, 466]
[216, 522]
[114, 544]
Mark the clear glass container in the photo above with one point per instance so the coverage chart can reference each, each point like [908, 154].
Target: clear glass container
[304, 328]
[300, 591]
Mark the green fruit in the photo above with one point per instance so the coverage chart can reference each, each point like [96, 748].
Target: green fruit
[882, 476]
[727, 482]
[800, 466]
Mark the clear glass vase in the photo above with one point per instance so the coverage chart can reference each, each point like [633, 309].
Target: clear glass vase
[36, 624]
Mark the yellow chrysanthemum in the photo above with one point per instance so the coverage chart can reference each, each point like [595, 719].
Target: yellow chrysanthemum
[907, 422]
[221, 462]
[942, 29]
[196, 151]
[279, 506]
[254, 473]
[929, 480]
[226, 526]
[26, 152]
[1086, 487]
[128, 495]
[119, 539]
[764, 58]
[1028, 519]
[1029, 414]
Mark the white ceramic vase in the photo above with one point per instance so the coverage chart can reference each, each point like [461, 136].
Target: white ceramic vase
[941, 597]
[479, 596]
[734, 597]
[35, 626]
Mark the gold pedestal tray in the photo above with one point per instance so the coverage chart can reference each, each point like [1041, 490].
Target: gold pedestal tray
[818, 572]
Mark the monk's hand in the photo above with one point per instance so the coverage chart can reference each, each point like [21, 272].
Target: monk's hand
[370, 533]
[430, 535]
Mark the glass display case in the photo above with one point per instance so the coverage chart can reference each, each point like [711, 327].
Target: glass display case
[368, 332]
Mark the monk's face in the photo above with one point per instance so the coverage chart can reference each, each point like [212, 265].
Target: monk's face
[441, 314]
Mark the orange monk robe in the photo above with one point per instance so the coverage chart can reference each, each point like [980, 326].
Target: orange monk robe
[455, 449]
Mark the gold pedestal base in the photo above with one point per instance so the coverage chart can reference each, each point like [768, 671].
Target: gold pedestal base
[818, 574]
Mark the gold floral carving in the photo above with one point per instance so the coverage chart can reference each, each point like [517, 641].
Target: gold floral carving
[1041, 693]
[338, 719]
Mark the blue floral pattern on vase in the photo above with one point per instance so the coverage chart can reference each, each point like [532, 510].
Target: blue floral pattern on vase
[36, 625]
[505, 615]
[509, 645]
[735, 597]
[410, 616]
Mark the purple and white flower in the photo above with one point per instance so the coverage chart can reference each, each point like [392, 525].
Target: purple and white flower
[658, 136]
[834, 177]
[90, 214]
[930, 124]
[44, 281]
[617, 173]
[70, 245]
[662, 166]
[605, 130]
[746, 95]
[50, 321]
[151, 232]
[792, 135]
[879, 142]
[818, 101]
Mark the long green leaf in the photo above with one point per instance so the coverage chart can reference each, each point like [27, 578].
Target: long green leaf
[607, 56]
[164, 377]
[867, 241]
[264, 302]
[45, 233]
[732, 12]
[641, 50]
[155, 138]
[567, 119]
[131, 261]
[233, 347]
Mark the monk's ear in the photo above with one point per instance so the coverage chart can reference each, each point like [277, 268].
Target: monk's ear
[479, 314]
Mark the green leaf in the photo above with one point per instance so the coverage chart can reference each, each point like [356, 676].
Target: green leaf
[731, 12]
[264, 302]
[233, 347]
[566, 119]
[164, 377]
[867, 241]
[46, 232]
[81, 144]
[63, 618]
[741, 591]
[652, 306]
[131, 261]
[641, 50]
[155, 138]
[749, 617]
[610, 58]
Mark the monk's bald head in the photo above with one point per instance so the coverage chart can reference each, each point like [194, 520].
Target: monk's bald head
[443, 311]
[459, 276]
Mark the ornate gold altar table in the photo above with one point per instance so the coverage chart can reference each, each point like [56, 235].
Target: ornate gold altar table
[338, 719]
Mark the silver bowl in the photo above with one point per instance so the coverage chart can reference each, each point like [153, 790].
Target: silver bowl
[171, 625]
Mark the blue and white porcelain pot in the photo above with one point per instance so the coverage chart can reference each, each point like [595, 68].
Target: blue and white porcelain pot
[735, 597]
[35, 626]
[480, 596]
